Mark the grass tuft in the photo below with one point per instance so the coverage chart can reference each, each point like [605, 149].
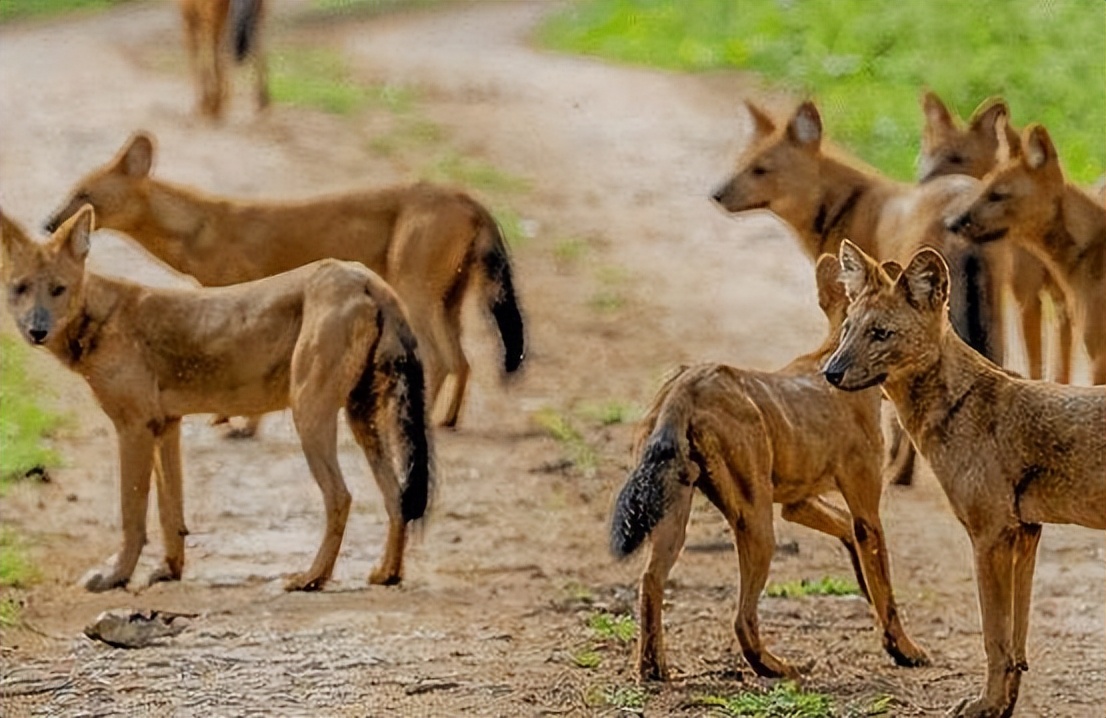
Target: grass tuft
[24, 423]
[16, 569]
[587, 658]
[560, 427]
[785, 700]
[826, 586]
[627, 699]
[609, 627]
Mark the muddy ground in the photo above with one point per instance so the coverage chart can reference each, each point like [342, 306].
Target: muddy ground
[625, 271]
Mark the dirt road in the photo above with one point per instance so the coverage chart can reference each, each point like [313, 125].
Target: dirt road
[493, 616]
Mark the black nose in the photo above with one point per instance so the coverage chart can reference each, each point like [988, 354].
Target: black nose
[718, 195]
[959, 224]
[38, 335]
[834, 377]
[51, 225]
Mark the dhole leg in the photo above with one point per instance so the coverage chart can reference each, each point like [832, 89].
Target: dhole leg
[195, 65]
[1025, 562]
[994, 567]
[446, 328]
[1065, 333]
[260, 72]
[136, 458]
[900, 462]
[666, 542]
[318, 429]
[170, 503]
[1031, 334]
[389, 571]
[822, 516]
[755, 540]
[862, 496]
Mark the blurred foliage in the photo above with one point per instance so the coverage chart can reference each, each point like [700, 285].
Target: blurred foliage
[24, 423]
[865, 62]
[13, 9]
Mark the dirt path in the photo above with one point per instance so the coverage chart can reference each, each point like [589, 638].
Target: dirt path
[513, 561]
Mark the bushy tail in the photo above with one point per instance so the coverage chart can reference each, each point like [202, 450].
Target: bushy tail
[661, 476]
[491, 252]
[245, 17]
[395, 371]
[974, 298]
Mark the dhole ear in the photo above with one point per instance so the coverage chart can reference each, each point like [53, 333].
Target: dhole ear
[1039, 150]
[13, 240]
[762, 122]
[858, 270]
[986, 116]
[1009, 144]
[937, 115]
[925, 281]
[827, 275]
[137, 157]
[805, 127]
[892, 269]
[73, 236]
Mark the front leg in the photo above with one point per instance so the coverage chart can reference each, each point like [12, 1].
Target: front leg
[170, 503]
[136, 459]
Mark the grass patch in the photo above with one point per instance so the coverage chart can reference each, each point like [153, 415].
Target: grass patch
[587, 657]
[785, 700]
[475, 174]
[569, 251]
[11, 612]
[16, 570]
[866, 63]
[609, 627]
[627, 699]
[826, 586]
[24, 423]
[409, 134]
[609, 413]
[560, 427]
[367, 7]
[17, 9]
[321, 80]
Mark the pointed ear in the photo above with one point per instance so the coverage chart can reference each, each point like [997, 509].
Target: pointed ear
[805, 128]
[136, 159]
[1039, 150]
[925, 281]
[937, 115]
[1009, 144]
[13, 240]
[858, 270]
[985, 117]
[73, 237]
[831, 292]
[892, 269]
[763, 124]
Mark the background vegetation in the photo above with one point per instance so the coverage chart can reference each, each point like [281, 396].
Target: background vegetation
[866, 61]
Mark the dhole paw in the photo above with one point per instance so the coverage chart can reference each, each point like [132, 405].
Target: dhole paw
[979, 708]
[382, 577]
[648, 672]
[906, 653]
[98, 580]
[304, 582]
[164, 572]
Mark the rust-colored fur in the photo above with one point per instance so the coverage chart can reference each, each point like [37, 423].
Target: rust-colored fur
[1010, 453]
[949, 147]
[430, 244]
[205, 23]
[747, 439]
[315, 339]
[825, 198]
[1026, 199]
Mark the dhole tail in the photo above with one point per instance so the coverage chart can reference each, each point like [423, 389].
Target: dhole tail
[245, 16]
[492, 254]
[662, 477]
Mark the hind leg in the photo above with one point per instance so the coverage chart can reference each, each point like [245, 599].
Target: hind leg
[1025, 561]
[822, 516]
[900, 462]
[170, 504]
[389, 571]
[446, 329]
[667, 540]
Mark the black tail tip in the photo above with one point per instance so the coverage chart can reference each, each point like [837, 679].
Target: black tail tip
[512, 361]
[414, 501]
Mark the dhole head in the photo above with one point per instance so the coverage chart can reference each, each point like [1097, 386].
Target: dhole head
[779, 166]
[1021, 195]
[116, 190]
[948, 147]
[895, 320]
[45, 282]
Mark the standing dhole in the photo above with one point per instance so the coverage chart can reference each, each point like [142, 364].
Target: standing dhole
[748, 439]
[1010, 453]
[429, 243]
[205, 24]
[318, 338]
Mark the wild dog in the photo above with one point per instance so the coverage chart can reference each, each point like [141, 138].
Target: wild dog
[429, 243]
[824, 198]
[1010, 453]
[1026, 199]
[949, 147]
[205, 24]
[315, 339]
[748, 439]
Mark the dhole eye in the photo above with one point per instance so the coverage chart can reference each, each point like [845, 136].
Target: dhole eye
[955, 159]
[996, 197]
[879, 334]
[20, 289]
[760, 171]
[57, 291]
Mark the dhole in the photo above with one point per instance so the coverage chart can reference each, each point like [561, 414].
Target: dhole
[318, 338]
[430, 244]
[1010, 453]
[747, 439]
[205, 24]
[948, 147]
[1026, 200]
[825, 198]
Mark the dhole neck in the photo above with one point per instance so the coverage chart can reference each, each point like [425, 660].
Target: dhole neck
[844, 189]
[928, 396]
[82, 330]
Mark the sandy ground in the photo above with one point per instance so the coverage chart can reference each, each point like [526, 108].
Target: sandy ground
[512, 561]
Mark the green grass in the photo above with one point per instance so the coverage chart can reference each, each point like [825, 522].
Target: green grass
[627, 699]
[866, 61]
[587, 658]
[24, 423]
[15, 9]
[10, 612]
[474, 174]
[561, 428]
[826, 586]
[367, 7]
[609, 413]
[785, 700]
[321, 80]
[609, 627]
[16, 570]
[569, 251]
